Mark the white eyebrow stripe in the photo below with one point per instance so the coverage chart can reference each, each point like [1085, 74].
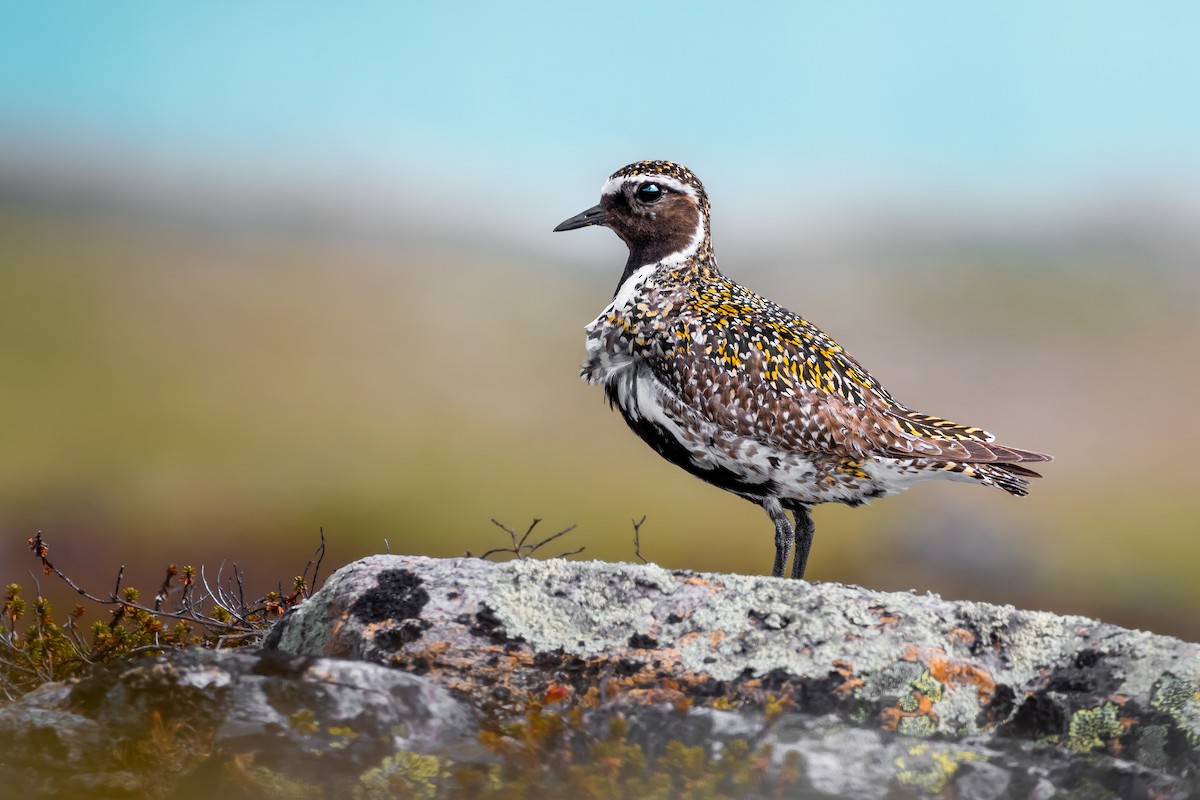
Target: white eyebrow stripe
[613, 185]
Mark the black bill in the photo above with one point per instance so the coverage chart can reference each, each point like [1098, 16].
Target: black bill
[596, 215]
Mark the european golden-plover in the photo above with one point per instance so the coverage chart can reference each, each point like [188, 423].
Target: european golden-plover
[742, 392]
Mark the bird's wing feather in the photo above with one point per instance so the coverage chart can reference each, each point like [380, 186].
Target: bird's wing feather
[760, 371]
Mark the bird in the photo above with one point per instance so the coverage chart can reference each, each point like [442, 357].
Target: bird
[745, 394]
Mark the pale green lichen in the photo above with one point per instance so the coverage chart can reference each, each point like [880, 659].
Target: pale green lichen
[1091, 727]
[929, 768]
[959, 710]
[924, 685]
[1180, 698]
[554, 604]
[928, 686]
[585, 617]
[916, 726]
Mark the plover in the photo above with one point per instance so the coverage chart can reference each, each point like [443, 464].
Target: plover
[745, 394]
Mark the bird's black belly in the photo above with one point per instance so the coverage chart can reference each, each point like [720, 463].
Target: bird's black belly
[670, 448]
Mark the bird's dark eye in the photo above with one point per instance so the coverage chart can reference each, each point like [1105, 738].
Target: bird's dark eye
[649, 192]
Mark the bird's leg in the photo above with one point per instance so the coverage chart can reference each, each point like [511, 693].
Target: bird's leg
[783, 535]
[804, 537]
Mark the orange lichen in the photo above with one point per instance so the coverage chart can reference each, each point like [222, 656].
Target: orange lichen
[890, 717]
[886, 617]
[946, 671]
[962, 636]
[850, 681]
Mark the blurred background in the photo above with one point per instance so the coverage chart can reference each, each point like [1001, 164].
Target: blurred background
[275, 267]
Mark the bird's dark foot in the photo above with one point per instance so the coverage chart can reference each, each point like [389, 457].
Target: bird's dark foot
[804, 535]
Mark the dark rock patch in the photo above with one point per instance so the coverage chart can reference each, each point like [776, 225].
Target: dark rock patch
[398, 595]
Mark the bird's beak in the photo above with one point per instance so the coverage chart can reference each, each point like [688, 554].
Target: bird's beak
[596, 215]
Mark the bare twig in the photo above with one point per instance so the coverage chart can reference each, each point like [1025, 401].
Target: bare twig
[637, 538]
[534, 548]
[40, 549]
[317, 569]
[520, 548]
[532, 525]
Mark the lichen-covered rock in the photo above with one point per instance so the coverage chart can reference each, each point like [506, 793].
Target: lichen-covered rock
[840, 759]
[911, 664]
[557, 679]
[194, 720]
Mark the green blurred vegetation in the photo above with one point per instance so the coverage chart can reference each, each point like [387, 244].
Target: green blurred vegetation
[185, 393]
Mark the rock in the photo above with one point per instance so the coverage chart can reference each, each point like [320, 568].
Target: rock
[997, 686]
[419, 677]
[243, 719]
[841, 759]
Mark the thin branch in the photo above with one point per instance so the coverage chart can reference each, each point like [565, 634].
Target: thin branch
[532, 525]
[520, 548]
[637, 538]
[534, 548]
[40, 549]
[317, 569]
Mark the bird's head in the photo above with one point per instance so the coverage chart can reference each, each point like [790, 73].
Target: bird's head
[658, 208]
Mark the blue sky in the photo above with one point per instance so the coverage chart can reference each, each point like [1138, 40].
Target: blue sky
[1030, 94]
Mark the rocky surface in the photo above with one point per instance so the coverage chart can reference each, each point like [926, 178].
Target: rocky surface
[244, 721]
[409, 676]
[947, 674]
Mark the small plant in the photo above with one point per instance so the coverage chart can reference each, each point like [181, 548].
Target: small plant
[188, 609]
[637, 538]
[521, 547]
